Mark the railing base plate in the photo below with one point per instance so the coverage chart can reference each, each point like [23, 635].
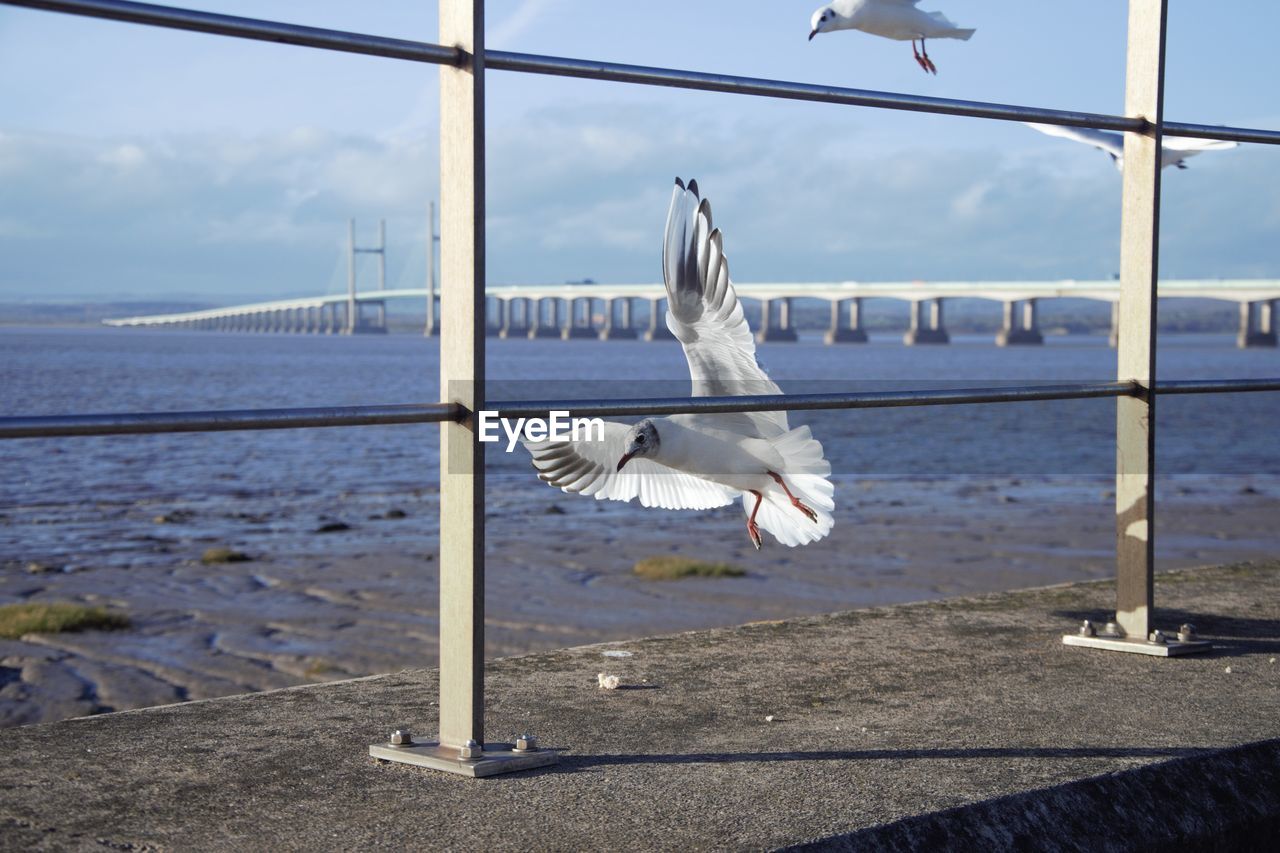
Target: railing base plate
[497, 758]
[1134, 645]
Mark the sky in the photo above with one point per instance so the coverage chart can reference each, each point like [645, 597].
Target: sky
[152, 164]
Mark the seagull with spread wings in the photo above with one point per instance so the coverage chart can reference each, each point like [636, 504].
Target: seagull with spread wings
[1173, 149]
[700, 461]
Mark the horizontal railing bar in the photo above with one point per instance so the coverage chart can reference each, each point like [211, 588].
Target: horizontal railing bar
[1215, 386]
[337, 416]
[805, 402]
[255, 29]
[370, 45]
[710, 82]
[219, 421]
[1213, 131]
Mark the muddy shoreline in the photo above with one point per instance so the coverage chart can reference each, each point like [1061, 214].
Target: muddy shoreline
[348, 603]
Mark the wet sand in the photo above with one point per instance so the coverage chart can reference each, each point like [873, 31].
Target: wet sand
[559, 574]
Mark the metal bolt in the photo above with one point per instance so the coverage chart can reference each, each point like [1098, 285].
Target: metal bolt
[526, 743]
[401, 737]
[1113, 629]
[1158, 637]
[471, 750]
[1187, 632]
[1087, 630]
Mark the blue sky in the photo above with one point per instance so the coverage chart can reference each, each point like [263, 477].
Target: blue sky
[137, 162]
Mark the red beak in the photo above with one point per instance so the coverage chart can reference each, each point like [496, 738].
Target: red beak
[626, 457]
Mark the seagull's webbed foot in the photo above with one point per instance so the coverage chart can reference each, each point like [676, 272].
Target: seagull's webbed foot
[795, 501]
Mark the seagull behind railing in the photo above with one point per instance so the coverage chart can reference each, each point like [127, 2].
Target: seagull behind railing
[1173, 149]
[700, 461]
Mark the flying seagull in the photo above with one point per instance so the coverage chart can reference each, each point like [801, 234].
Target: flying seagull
[1173, 149]
[700, 461]
[892, 19]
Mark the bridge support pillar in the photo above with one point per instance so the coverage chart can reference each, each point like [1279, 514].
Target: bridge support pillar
[541, 328]
[783, 332]
[495, 310]
[930, 331]
[574, 329]
[511, 328]
[658, 330]
[1019, 331]
[1257, 324]
[852, 333]
[620, 331]
[431, 329]
[1113, 337]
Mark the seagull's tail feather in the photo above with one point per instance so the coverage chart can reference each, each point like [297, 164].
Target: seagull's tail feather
[805, 472]
[955, 32]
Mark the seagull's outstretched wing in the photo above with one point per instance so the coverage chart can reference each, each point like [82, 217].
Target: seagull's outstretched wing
[1179, 148]
[1194, 145]
[589, 467]
[1103, 140]
[704, 314]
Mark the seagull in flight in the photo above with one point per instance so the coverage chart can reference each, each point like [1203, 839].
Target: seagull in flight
[700, 461]
[1173, 149]
[892, 19]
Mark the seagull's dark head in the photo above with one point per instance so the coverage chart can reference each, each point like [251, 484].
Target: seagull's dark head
[642, 440]
[821, 21]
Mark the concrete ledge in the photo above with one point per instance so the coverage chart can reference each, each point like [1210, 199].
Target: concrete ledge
[1222, 800]
[958, 724]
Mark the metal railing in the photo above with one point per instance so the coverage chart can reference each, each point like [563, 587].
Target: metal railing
[464, 63]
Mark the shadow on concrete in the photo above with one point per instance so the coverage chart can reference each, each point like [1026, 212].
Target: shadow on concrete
[1233, 636]
[584, 762]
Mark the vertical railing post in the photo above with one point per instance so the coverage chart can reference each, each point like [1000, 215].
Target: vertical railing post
[1139, 259]
[462, 748]
[1136, 353]
[462, 344]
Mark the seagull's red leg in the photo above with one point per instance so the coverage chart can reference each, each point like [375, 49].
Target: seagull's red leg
[916, 53]
[795, 501]
[752, 530]
[924, 54]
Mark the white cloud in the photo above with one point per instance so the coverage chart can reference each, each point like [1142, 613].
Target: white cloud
[581, 191]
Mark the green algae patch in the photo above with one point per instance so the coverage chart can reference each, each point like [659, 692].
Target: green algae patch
[669, 568]
[56, 617]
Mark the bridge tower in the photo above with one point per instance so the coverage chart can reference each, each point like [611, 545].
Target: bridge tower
[432, 328]
[355, 322]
